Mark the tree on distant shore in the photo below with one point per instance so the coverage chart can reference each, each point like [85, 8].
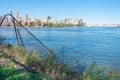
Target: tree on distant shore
[49, 24]
[32, 23]
[38, 22]
[26, 24]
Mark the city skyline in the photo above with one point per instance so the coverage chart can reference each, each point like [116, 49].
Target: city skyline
[92, 11]
[41, 22]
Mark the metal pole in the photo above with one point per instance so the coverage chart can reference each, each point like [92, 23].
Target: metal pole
[24, 28]
[15, 31]
[22, 44]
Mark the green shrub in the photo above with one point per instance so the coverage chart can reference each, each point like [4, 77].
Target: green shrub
[49, 69]
[95, 72]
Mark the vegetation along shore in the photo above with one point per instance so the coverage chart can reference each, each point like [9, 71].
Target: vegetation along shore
[18, 64]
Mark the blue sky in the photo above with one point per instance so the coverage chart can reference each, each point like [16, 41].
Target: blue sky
[92, 11]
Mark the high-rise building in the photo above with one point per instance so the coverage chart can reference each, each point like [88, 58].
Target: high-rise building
[32, 19]
[60, 21]
[17, 15]
[84, 24]
[42, 22]
[49, 19]
[68, 21]
[26, 17]
[80, 22]
[75, 22]
[11, 12]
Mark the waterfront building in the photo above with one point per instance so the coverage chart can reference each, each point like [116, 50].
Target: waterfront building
[75, 22]
[26, 17]
[32, 19]
[17, 15]
[11, 12]
[80, 22]
[84, 24]
[58, 21]
[49, 19]
[43, 22]
[68, 21]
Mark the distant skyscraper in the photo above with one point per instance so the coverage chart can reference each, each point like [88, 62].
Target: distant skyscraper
[11, 12]
[26, 17]
[11, 19]
[75, 22]
[32, 19]
[80, 22]
[84, 24]
[43, 22]
[49, 19]
[17, 14]
[68, 21]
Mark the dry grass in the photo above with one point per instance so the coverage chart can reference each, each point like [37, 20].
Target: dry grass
[17, 57]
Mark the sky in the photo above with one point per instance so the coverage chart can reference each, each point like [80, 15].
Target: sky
[91, 11]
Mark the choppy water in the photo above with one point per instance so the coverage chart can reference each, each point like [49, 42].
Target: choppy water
[89, 44]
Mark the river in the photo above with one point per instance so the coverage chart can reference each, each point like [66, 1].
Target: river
[101, 45]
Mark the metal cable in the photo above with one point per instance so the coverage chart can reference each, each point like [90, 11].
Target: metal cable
[18, 33]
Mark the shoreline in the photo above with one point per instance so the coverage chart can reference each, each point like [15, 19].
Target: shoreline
[63, 27]
[18, 59]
